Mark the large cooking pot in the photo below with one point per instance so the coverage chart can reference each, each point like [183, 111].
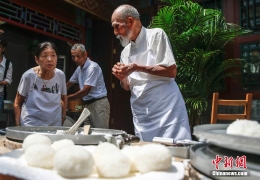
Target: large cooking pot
[117, 137]
[76, 105]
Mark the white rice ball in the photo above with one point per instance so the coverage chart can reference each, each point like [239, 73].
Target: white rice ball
[40, 155]
[35, 139]
[104, 147]
[131, 152]
[90, 148]
[153, 157]
[57, 145]
[244, 127]
[60, 132]
[73, 162]
[113, 164]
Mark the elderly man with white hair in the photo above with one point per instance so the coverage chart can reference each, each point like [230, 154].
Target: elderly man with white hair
[148, 69]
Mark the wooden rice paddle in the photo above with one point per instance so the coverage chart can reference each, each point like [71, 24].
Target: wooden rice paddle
[72, 130]
[86, 129]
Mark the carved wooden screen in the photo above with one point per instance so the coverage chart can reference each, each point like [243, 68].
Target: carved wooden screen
[40, 22]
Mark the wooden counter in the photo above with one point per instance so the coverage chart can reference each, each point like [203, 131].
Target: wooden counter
[3, 149]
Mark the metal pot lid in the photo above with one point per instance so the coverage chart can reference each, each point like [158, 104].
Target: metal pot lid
[19, 133]
[216, 134]
[202, 155]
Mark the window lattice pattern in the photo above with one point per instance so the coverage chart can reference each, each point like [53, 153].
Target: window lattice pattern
[250, 14]
[250, 54]
[61, 63]
[211, 4]
[19, 14]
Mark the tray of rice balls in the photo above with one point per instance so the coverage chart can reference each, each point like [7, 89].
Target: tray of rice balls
[43, 158]
[242, 135]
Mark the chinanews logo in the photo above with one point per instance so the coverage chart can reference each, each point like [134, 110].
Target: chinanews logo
[231, 167]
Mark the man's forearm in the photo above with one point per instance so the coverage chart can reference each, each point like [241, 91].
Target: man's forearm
[78, 95]
[69, 85]
[170, 71]
[124, 84]
[74, 96]
[4, 83]
[157, 70]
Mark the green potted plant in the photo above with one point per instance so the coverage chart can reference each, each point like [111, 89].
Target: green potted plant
[198, 36]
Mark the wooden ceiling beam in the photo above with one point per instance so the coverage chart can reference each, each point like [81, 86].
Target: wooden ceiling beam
[99, 8]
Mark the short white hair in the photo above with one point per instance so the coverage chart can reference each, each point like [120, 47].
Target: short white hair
[128, 11]
[79, 46]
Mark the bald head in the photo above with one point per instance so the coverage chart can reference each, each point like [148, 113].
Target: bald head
[125, 11]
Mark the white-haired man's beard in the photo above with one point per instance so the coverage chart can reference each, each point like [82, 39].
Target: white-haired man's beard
[124, 40]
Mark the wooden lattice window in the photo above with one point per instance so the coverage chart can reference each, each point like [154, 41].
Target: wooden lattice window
[61, 63]
[250, 15]
[250, 53]
[211, 4]
[40, 22]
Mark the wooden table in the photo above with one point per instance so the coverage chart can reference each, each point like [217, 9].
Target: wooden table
[3, 149]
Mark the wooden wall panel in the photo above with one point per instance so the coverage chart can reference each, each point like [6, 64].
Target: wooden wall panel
[99, 8]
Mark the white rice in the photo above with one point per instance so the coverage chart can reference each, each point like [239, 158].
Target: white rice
[112, 165]
[73, 162]
[244, 127]
[131, 152]
[40, 155]
[104, 147]
[35, 139]
[110, 162]
[153, 157]
[57, 145]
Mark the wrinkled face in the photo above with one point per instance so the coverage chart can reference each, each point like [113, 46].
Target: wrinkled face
[124, 40]
[79, 57]
[47, 59]
[2, 49]
[121, 30]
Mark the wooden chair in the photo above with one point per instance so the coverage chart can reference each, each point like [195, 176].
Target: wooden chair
[216, 102]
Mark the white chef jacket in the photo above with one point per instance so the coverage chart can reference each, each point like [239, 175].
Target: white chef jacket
[157, 105]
